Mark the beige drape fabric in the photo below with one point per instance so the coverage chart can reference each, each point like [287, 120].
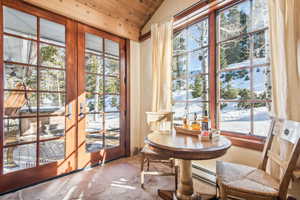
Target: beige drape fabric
[161, 38]
[285, 62]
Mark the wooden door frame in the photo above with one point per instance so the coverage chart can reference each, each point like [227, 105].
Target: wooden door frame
[21, 178]
[35, 175]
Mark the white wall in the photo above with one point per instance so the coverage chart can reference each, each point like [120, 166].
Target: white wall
[235, 155]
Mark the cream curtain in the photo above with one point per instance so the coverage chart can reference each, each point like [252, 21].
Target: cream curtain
[161, 39]
[285, 62]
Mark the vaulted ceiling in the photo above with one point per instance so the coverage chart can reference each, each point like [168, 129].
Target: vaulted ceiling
[125, 18]
[135, 12]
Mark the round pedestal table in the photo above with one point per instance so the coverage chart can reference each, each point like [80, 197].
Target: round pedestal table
[185, 148]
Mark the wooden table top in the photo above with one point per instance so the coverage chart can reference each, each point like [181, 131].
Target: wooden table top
[187, 147]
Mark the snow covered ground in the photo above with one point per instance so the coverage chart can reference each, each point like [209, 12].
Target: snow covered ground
[231, 117]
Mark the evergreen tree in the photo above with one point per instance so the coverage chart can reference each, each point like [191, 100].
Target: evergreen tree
[197, 88]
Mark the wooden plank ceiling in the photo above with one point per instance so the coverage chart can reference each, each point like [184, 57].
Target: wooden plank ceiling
[124, 18]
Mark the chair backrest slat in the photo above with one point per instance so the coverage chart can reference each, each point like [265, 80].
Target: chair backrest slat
[276, 158]
[267, 147]
[288, 173]
[158, 121]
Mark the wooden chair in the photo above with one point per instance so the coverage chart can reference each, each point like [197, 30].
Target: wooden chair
[237, 181]
[162, 121]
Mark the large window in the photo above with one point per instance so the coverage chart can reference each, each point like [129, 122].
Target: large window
[243, 71]
[190, 71]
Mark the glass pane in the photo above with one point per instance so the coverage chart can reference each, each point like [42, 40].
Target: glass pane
[197, 107]
[20, 50]
[198, 62]
[19, 103]
[52, 103]
[93, 43]
[260, 14]
[53, 126]
[235, 85]
[19, 23]
[52, 56]
[233, 21]
[234, 53]
[111, 47]
[179, 66]
[198, 35]
[179, 83]
[262, 120]
[112, 139]
[94, 122]
[20, 77]
[262, 89]
[235, 117]
[112, 121]
[112, 103]
[19, 157]
[52, 151]
[198, 88]
[112, 85]
[180, 42]
[91, 102]
[94, 142]
[94, 83]
[180, 110]
[93, 63]
[261, 49]
[52, 32]
[20, 130]
[52, 80]
[112, 67]
[179, 91]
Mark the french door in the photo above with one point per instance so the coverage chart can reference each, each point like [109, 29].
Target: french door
[101, 91]
[63, 95]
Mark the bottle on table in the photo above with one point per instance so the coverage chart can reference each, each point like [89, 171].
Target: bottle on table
[205, 121]
[185, 122]
[195, 124]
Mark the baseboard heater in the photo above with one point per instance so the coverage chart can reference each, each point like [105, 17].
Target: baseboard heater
[204, 174]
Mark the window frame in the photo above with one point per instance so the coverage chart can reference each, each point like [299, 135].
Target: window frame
[251, 66]
[207, 74]
[253, 142]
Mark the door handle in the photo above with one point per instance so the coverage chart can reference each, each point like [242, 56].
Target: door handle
[81, 110]
[69, 112]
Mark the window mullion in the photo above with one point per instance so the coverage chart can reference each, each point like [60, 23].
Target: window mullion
[251, 70]
[38, 94]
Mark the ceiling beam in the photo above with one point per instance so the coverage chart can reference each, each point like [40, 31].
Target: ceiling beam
[87, 15]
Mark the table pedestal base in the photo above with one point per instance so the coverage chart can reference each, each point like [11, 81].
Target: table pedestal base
[185, 189]
[171, 195]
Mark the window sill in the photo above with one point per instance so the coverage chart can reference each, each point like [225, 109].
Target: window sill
[245, 141]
